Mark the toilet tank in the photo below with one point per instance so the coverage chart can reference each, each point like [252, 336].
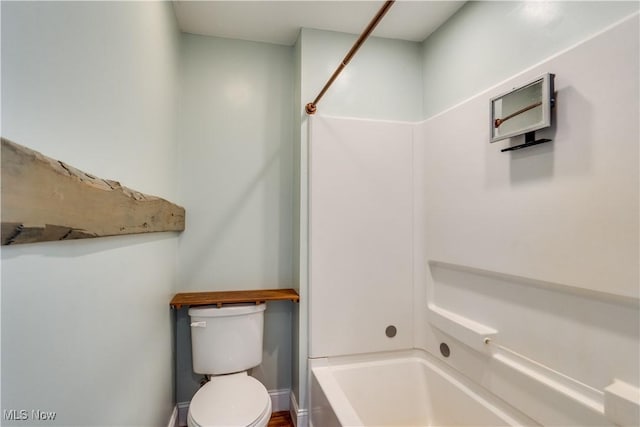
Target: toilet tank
[227, 339]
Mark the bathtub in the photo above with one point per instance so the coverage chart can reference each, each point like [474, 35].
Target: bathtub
[401, 389]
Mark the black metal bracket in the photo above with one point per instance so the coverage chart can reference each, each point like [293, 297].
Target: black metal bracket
[529, 140]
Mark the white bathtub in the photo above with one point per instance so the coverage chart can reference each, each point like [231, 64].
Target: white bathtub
[402, 389]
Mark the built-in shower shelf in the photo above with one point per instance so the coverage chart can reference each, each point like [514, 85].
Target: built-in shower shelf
[220, 298]
[474, 334]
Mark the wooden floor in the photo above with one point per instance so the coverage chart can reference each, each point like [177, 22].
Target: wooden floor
[280, 419]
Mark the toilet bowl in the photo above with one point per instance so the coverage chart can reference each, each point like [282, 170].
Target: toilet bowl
[235, 400]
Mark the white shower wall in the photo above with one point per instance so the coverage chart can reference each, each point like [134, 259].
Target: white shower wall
[383, 81]
[360, 229]
[539, 245]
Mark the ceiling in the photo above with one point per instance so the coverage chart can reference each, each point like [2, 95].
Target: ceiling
[280, 21]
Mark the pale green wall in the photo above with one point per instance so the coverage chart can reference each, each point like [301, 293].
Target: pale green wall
[486, 42]
[236, 183]
[297, 345]
[383, 80]
[86, 329]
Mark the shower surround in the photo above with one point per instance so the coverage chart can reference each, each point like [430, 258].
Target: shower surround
[525, 264]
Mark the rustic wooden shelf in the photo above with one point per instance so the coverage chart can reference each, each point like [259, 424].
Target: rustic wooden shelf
[258, 296]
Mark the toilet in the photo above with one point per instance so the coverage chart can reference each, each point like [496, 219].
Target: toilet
[225, 343]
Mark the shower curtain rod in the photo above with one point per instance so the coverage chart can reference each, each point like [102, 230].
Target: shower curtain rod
[310, 108]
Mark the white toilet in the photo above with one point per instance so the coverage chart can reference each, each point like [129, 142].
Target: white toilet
[225, 342]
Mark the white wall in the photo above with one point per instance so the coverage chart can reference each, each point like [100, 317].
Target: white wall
[383, 81]
[236, 183]
[486, 42]
[540, 244]
[86, 329]
[360, 236]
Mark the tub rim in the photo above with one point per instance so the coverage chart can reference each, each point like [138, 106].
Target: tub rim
[323, 368]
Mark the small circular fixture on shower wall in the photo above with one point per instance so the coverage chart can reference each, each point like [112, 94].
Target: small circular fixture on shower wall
[391, 331]
[444, 349]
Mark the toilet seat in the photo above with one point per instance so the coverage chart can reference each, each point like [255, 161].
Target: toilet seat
[230, 400]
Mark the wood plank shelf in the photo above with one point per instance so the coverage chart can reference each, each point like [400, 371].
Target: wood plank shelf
[219, 298]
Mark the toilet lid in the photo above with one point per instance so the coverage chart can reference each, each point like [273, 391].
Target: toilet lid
[229, 400]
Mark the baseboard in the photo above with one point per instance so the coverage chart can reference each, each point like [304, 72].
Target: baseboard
[279, 400]
[173, 420]
[300, 417]
[183, 411]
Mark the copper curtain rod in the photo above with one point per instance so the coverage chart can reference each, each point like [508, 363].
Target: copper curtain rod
[310, 108]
